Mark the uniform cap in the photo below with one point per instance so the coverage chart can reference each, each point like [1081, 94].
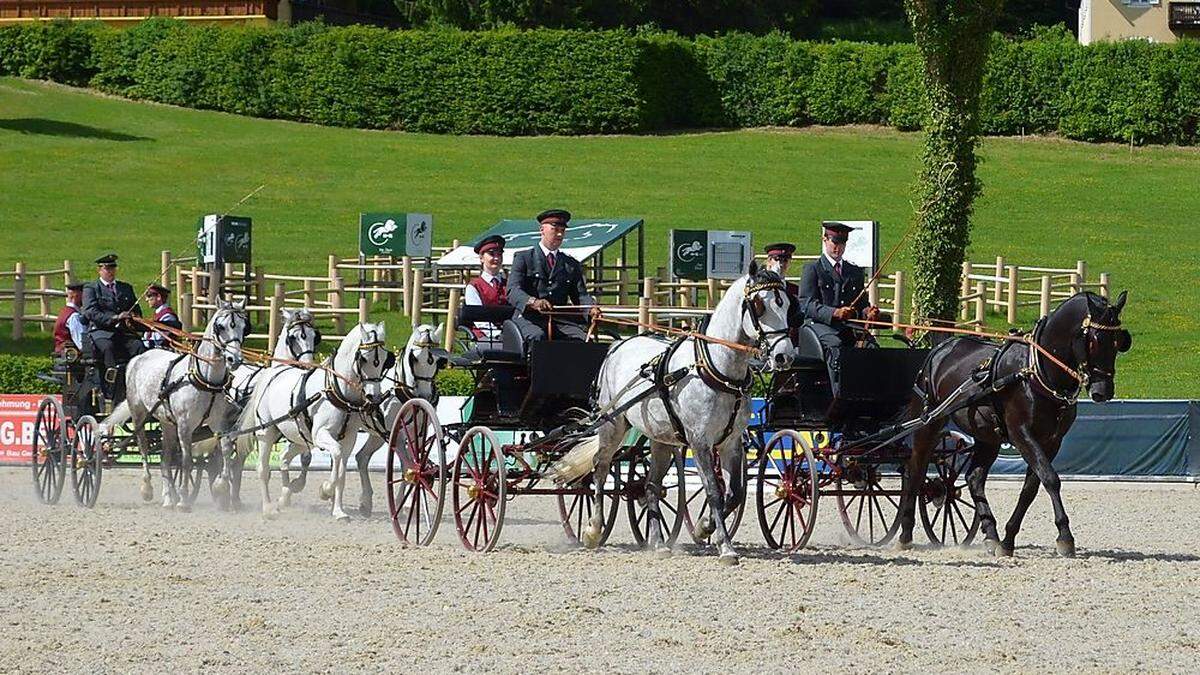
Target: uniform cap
[108, 259]
[491, 243]
[559, 215]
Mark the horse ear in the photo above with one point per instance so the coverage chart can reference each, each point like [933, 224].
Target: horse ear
[437, 334]
[288, 315]
[1120, 303]
[753, 268]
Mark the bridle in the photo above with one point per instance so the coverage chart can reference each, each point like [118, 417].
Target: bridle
[755, 306]
[221, 344]
[293, 341]
[402, 388]
[1083, 342]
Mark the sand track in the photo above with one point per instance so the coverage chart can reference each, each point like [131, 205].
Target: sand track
[130, 587]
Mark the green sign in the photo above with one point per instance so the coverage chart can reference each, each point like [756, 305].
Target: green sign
[223, 239]
[689, 254]
[395, 234]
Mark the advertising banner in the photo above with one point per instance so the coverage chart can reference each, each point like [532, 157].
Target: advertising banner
[18, 412]
[395, 234]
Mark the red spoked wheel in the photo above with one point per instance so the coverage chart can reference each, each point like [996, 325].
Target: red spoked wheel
[672, 501]
[575, 510]
[697, 501]
[87, 462]
[947, 511]
[480, 490]
[416, 473]
[868, 501]
[50, 451]
[787, 491]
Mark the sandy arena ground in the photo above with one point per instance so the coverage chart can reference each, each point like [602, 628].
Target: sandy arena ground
[131, 587]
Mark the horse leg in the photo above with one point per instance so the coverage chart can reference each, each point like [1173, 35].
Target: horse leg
[662, 456]
[1028, 492]
[186, 462]
[362, 460]
[716, 504]
[339, 455]
[608, 440]
[733, 462]
[256, 443]
[913, 479]
[1038, 456]
[977, 472]
[170, 446]
[139, 433]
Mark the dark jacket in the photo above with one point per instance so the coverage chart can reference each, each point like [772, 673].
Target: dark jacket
[101, 308]
[530, 277]
[821, 292]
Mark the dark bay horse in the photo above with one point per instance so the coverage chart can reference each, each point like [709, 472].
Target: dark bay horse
[1020, 396]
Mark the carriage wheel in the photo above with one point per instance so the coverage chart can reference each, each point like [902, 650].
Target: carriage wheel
[575, 510]
[947, 510]
[672, 504]
[479, 490]
[49, 451]
[87, 462]
[869, 503]
[416, 473]
[697, 502]
[787, 491]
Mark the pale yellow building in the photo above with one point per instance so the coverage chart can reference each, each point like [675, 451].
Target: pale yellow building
[1153, 20]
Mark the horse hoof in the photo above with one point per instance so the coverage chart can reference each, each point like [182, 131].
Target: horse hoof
[342, 518]
[184, 508]
[1003, 551]
[270, 512]
[591, 537]
[729, 559]
[902, 545]
[147, 493]
[990, 546]
[325, 492]
[220, 487]
[364, 510]
[1066, 549]
[663, 552]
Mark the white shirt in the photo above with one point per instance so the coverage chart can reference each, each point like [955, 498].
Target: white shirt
[832, 262]
[75, 326]
[547, 252]
[491, 332]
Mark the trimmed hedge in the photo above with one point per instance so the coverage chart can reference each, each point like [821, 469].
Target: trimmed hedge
[19, 375]
[513, 82]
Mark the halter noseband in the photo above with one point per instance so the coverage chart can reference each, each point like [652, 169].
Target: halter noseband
[289, 338]
[749, 302]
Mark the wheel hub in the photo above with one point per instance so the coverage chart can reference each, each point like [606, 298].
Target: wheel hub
[410, 475]
[781, 492]
[474, 491]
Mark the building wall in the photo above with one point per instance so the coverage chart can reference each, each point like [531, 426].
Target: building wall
[1114, 20]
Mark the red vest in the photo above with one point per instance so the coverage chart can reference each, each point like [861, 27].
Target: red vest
[62, 335]
[489, 294]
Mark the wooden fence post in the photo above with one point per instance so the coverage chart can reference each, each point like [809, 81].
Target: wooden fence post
[965, 290]
[185, 311]
[1044, 300]
[415, 312]
[310, 294]
[260, 291]
[1104, 290]
[1012, 294]
[178, 286]
[68, 273]
[164, 267]
[405, 281]
[274, 318]
[1080, 276]
[364, 311]
[713, 294]
[898, 300]
[18, 327]
[333, 270]
[980, 301]
[998, 288]
[451, 319]
[644, 313]
[43, 298]
[336, 286]
[197, 319]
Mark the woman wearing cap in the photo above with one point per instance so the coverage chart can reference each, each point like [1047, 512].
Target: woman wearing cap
[488, 289]
[157, 296]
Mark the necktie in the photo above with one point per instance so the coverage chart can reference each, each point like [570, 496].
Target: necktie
[496, 283]
[550, 259]
[837, 268]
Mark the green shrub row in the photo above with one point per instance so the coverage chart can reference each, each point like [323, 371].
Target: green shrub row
[513, 82]
[19, 375]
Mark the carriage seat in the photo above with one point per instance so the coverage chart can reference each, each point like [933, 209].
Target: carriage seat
[809, 354]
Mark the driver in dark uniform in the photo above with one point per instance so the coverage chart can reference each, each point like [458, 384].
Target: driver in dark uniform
[831, 292]
[108, 304]
[543, 278]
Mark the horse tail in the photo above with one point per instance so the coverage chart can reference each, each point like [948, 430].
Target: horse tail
[249, 418]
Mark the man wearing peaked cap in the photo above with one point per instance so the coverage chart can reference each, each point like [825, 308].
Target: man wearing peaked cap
[488, 289]
[107, 305]
[69, 326]
[831, 292]
[544, 278]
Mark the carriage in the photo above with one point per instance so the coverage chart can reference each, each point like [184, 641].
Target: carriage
[67, 433]
[529, 408]
[832, 430]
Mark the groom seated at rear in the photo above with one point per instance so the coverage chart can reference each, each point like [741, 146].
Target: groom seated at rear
[488, 290]
[543, 280]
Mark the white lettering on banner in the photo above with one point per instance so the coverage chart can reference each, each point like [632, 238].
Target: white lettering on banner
[7, 435]
[18, 420]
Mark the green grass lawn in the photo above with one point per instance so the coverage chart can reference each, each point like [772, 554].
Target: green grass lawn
[82, 174]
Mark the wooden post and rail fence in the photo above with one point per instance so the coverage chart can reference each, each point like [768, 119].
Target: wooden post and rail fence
[352, 288]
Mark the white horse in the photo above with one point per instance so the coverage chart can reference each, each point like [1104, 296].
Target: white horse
[297, 341]
[323, 408]
[711, 402]
[412, 376]
[183, 392]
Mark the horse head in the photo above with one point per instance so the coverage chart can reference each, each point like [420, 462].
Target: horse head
[363, 356]
[764, 316]
[423, 357]
[299, 337]
[227, 329]
[1098, 342]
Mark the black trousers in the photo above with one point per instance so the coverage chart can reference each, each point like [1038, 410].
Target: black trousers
[533, 329]
[113, 351]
